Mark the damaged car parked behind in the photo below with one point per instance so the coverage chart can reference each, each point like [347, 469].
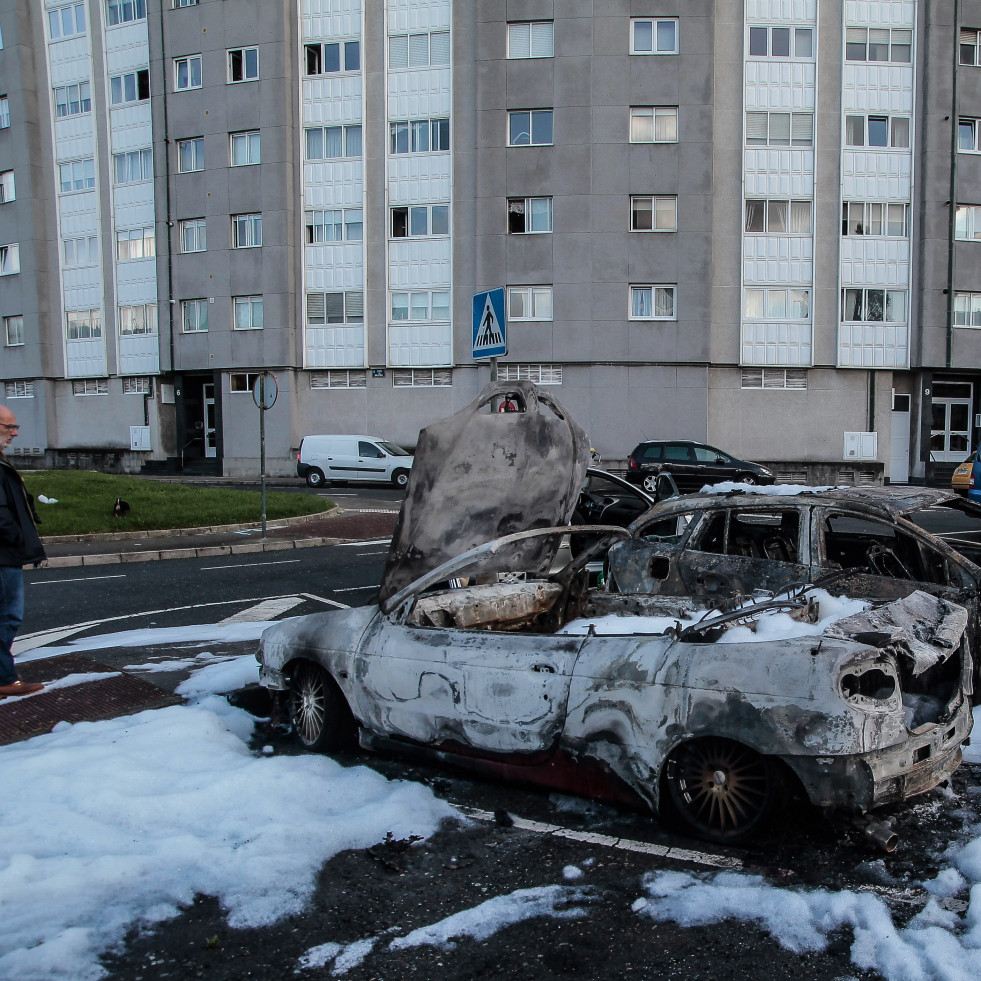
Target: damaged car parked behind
[485, 652]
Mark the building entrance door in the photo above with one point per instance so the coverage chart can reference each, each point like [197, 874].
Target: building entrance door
[210, 444]
[950, 422]
[899, 440]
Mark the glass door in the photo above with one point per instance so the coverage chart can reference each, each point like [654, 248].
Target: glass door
[210, 444]
[950, 423]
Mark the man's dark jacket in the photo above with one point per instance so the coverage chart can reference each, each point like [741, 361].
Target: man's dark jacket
[19, 541]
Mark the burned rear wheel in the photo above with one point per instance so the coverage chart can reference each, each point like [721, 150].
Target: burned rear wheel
[719, 790]
[321, 718]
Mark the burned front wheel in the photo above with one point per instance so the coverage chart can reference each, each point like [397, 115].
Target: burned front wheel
[719, 790]
[321, 718]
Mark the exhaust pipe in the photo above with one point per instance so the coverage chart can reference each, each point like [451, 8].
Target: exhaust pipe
[878, 833]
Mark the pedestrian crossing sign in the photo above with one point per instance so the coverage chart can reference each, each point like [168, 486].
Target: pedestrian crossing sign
[489, 325]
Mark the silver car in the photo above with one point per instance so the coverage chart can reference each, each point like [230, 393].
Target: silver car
[483, 651]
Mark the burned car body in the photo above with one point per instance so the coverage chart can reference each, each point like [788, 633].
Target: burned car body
[503, 661]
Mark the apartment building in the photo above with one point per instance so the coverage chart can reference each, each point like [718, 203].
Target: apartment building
[755, 224]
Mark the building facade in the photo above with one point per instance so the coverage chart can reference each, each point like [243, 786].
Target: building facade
[755, 224]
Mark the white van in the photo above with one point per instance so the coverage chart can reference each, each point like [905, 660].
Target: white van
[322, 459]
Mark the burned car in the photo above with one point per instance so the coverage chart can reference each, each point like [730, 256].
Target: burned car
[482, 651]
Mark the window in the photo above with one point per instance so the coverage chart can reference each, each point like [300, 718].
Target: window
[242, 381]
[244, 148]
[778, 217]
[529, 215]
[419, 50]
[132, 166]
[530, 127]
[247, 312]
[529, 303]
[9, 259]
[420, 136]
[534, 39]
[779, 129]
[67, 21]
[654, 36]
[186, 3]
[880, 44]
[781, 42]
[873, 306]
[654, 124]
[23, 389]
[331, 142]
[877, 131]
[72, 100]
[4, 112]
[653, 214]
[335, 308]
[652, 303]
[7, 189]
[138, 385]
[967, 135]
[776, 303]
[194, 316]
[334, 226]
[135, 243]
[190, 155]
[76, 175]
[967, 309]
[420, 219]
[194, 235]
[13, 331]
[243, 64]
[140, 319]
[967, 223]
[422, 378]
[83, 325]
[81, 251]
[123, 11]
[874, 218]
[421, 305]
[130, 87]
[339, 378]
[246, 231]
[970, 46]
[187, 73]
[541, 374]
[327, 57]
[90, 386]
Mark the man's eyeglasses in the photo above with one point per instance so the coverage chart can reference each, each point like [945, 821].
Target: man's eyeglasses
[10, 427]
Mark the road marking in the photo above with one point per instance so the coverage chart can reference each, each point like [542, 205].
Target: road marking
[381, 541]
[246, 565]
[267, 610]
[611, 841]
[323, 599]
[353, 589]
[369, 511]
[48, 582]
[43, 638]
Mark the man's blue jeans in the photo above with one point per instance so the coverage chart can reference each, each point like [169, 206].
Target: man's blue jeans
[11, 614]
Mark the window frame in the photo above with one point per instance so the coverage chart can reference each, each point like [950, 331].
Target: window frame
[526, 205]
[793, 32]
[867, 43]
[188, 63]
[91, 251]
[196, 143]
[137, 10]
[247, 136]
[412, 216]
[251, 223]
[243, 53]
[769, 207]
[530, 296]
[514, 114]
[88, 175]
[19, 388]
[92, 325]
[412, 306]
[146, 318]
[252, 304]
[8, 186]
[655, 24]
[535, 41]
[197, 304]
[973, 123]
[766, 303]
[869, 220]
[83, 102]
[4, 112]
[315, 218]
[655, 200]
[640, 112]
[971, 223]
[422, 377]
[968, 304]
[867, 304]
[636, 288]
[10, 259]
[144, 235]
[13, 332]
[125, 162]
[193, 230]
[794, 126]
[890, 121]
[347, 131]
[395, 57]
[83, 387]
[351, 308]
[343, 45]
[141, 83]
[58, 12]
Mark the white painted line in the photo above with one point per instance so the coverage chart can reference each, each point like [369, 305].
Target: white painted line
[610, 841]
[381, 541]
[325, 601]
[267, 610]
[49, 582]
[28, 643]
[246, 565]
[369, 511]
[353, 589]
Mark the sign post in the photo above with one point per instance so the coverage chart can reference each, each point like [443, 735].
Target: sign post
[264, 394]
[490, 329]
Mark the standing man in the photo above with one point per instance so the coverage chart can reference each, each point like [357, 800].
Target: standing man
[19, 545]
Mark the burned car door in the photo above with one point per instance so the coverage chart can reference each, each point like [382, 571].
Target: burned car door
[739, 550]
[882, 559]
[649, 562]
[453, 676]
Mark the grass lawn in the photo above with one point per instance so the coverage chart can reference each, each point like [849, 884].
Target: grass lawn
[86, 498]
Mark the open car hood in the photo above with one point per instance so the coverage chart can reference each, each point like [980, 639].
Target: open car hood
[481, 474]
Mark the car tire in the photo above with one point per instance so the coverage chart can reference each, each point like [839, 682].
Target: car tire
[315, 478]
[649, 483]
[319, 714]
[719, 790]
[400, 477]
[747, 478]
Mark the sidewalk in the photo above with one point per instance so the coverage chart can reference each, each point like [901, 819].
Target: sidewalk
[107, 690]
